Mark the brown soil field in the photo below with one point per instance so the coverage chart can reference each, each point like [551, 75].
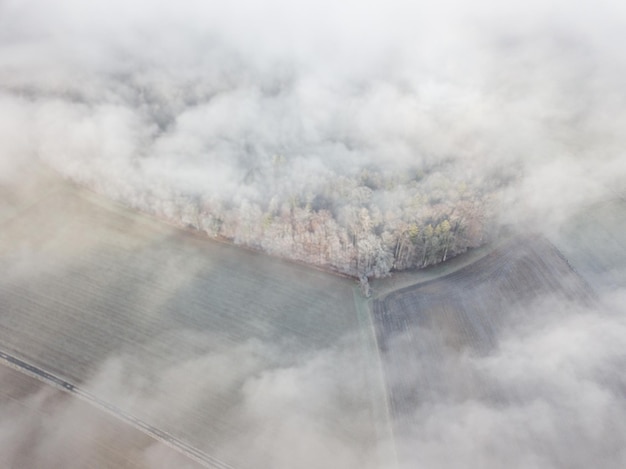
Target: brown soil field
[463, 312]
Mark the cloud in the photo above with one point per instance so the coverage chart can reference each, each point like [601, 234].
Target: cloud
[247, 404]
[550, 394]
[43, 427]
[201, 93]
[250, 109]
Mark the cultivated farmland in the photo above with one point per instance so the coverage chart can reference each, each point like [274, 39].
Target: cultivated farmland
[242, 360]
[500, 363]
[594, 240]
[467, 310]
[222, 348]
[45, 427]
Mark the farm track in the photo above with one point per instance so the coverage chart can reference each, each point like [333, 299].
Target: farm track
[466, 311]
[159, 435]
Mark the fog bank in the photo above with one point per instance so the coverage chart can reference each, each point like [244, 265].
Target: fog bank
[363, 137]
[333, 134]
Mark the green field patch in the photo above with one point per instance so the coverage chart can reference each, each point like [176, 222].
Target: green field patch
[223, 348]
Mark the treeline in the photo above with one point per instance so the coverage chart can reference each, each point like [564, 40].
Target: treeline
[365, 226]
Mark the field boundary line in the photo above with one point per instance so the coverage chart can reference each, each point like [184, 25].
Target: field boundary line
[372, 355]
[407, 278]
[155, 433]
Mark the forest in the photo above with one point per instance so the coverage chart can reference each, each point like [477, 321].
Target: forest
[364, 226]
[362, 153]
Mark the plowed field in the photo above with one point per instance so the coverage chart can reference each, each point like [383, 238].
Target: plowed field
[233, 352]
[464, 312]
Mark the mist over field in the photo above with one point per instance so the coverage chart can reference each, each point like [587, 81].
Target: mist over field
[363, 137]
[286, 412]
[551, 395]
